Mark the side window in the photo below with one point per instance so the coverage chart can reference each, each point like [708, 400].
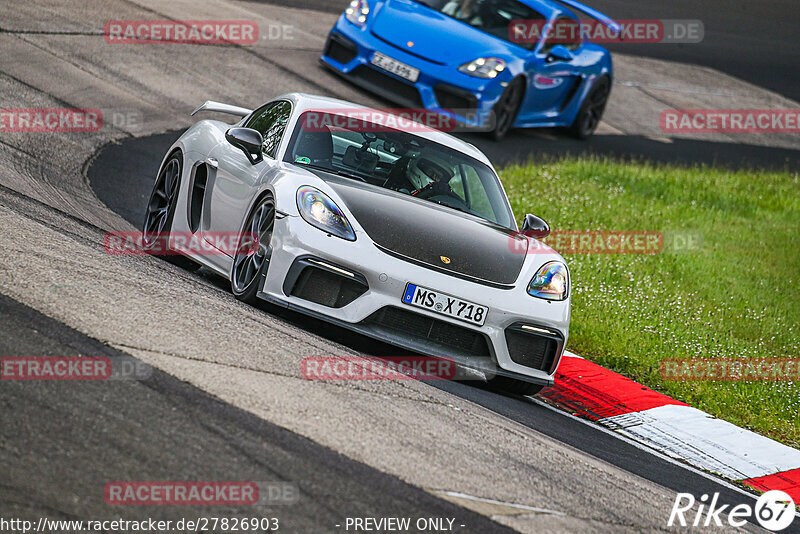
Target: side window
[565, 31]
[476, 191]
[270, 121]
[457, 185]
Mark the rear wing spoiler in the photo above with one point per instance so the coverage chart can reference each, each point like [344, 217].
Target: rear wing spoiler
[603, 18]
[219, 107]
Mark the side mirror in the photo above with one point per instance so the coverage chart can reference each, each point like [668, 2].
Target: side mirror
[533, 226]
[248, 141]
[559, 53]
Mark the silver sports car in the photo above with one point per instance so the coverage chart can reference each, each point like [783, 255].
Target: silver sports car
[380, 225]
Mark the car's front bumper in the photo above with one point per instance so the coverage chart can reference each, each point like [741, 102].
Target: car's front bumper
[377, 310]
[440, 88]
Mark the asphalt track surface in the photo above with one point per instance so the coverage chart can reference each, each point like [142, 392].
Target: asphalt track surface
[122, 174]
[752, 40]
[90, 434]
[166, 428]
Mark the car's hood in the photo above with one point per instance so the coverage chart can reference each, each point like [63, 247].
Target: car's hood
[435, 36]
[432, 234]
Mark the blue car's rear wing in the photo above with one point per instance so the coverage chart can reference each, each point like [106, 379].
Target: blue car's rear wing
[603, 18]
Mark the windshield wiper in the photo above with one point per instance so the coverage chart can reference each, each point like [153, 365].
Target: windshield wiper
[351, 175]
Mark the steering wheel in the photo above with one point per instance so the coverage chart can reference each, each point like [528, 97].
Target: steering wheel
[437, 189]
[452, 200]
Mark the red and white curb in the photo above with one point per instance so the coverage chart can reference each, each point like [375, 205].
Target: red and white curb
[673, 428]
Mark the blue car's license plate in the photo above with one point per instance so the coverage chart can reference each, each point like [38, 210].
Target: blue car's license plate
[444, 304]
[395, 67]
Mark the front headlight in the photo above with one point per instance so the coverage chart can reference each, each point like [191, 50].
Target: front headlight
[484, 67]
[551, 282]
[318, 210]
[357, 12]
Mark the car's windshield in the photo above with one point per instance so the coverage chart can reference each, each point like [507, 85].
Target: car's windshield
[400, 161]
[491, 16]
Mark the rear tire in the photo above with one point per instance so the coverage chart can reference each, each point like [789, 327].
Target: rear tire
[161, 207]
[592, 109]
[249, 263]
[514, 386]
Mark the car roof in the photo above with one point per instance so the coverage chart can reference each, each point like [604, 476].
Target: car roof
[304, 102]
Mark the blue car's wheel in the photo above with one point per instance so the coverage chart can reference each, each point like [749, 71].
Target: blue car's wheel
[592, 109]
[506, 109]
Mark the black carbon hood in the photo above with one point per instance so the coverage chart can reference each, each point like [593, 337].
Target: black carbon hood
[432, 234]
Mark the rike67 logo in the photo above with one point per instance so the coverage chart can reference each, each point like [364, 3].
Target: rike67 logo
[774, 510]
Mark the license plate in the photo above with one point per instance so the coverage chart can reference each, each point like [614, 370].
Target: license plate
[444, 304]
[395, 67]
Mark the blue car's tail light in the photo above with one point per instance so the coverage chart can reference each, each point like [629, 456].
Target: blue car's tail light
[318, 210]
[357, 12]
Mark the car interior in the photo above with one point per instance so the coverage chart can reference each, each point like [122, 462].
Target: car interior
[402, 162]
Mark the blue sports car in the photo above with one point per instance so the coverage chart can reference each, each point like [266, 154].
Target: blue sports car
[487, 64]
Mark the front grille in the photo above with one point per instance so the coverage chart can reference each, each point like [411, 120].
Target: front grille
[405, 92]
[457, 100]
[340, 49]
[326, 288]
[531, 350]
[430, 330]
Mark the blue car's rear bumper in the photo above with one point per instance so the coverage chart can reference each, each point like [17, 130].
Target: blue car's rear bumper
[440, 88]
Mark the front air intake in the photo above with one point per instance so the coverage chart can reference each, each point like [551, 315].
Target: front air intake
[534, 347]
[324, 283]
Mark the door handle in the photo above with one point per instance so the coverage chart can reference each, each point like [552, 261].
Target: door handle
[212, 162]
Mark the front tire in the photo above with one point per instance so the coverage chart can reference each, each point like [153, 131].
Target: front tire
[507, 108]
[592, 109]
[252, 256]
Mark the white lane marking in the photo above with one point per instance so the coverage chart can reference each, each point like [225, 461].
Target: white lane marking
[706, 442]
[649, 450]
[458, 495]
